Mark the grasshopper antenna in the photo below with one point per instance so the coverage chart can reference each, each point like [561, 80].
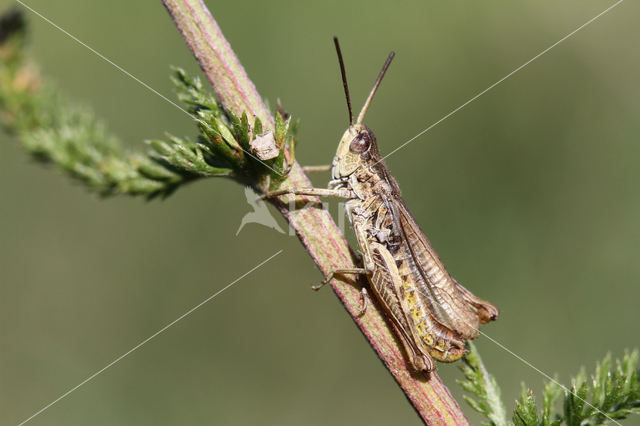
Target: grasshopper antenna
[375, 87]
[344, 79]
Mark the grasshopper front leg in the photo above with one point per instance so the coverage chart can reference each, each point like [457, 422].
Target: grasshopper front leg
[316, 169]
[319, 192]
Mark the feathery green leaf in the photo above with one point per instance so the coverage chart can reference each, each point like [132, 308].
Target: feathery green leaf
[483, 386]
[55, 131]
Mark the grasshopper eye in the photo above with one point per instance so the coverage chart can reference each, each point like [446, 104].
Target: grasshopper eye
[360, 143]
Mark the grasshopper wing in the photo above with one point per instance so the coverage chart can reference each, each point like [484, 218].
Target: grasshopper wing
[452, 305]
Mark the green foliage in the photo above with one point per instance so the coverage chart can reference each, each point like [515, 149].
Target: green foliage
[225, 138]
[526, 411]
[616, 393]
[55, 131]
[552, 393]
[484, 387]
[608, 395]
[100, 164]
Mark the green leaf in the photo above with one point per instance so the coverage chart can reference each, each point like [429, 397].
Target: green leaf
[56, 131]
[607, 395]
[552, 393]
[526, 411]
[483, 387]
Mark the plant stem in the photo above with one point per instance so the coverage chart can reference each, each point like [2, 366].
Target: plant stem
[315, 227]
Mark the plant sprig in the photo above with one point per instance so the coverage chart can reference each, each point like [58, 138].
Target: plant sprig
[484, 387]
[610, 394]
[56, 131]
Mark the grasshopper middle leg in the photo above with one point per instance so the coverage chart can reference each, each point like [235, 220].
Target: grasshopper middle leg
[368, 269]
[339, 271]
[367, 259]
[364, 295]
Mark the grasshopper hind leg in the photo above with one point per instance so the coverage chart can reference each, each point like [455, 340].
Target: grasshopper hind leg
[419, 360]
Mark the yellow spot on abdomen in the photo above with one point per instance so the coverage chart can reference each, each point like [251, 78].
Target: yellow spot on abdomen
[416, 314]
[428, 339]
[411, 299]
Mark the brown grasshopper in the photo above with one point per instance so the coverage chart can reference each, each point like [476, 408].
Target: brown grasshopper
[430, 311]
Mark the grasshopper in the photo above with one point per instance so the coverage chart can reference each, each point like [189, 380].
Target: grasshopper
[431, 313]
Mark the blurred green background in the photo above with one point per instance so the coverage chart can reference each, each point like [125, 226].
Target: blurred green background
[530, 195]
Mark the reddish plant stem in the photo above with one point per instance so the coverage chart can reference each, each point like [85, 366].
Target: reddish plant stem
[315, 227]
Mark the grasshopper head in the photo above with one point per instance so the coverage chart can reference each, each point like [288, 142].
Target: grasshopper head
[358, 144]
